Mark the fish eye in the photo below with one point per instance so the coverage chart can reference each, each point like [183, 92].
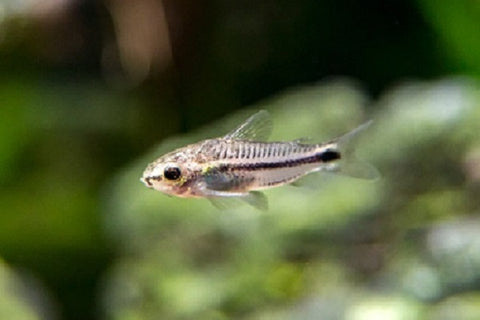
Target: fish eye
[172, 173]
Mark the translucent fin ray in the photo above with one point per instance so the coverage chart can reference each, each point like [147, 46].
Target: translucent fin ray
[313, 180]
[223, 201]
[349, 164]
[256, 199]
[258, 127]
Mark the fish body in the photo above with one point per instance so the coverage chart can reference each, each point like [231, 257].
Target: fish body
[242, 163]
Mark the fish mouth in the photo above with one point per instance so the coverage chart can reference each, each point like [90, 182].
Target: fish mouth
[146, 181]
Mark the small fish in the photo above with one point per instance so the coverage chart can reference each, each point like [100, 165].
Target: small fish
[241, 163]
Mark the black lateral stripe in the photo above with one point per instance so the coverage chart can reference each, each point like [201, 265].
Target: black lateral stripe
[329, 155]
[322, 157]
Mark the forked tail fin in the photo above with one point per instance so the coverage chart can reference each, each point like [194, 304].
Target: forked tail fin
[349, 164]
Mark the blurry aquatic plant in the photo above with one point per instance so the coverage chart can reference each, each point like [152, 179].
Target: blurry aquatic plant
[457, 23]
[349, 249]
[228, 254]
[22, 298]
[142, 39]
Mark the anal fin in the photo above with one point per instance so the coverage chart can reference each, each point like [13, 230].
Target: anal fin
[225, 201]
[256, 199]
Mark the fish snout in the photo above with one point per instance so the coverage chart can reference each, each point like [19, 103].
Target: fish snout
[146, 181]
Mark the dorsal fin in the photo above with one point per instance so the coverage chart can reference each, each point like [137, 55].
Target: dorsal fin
[258, 127]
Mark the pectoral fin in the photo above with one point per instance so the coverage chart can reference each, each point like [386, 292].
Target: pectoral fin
[216, 180]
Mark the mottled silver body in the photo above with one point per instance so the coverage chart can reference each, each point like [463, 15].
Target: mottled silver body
[260, 165]
[237, 165]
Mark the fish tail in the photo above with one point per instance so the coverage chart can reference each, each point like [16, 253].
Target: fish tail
[349, 164]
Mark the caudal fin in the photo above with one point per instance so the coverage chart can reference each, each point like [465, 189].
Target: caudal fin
[349, 164]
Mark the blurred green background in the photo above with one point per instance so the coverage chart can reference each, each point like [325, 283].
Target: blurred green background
[91, 91]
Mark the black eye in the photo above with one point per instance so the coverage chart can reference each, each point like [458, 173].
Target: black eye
[171, 173]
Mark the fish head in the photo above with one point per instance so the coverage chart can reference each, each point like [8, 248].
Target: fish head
[173, 174]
